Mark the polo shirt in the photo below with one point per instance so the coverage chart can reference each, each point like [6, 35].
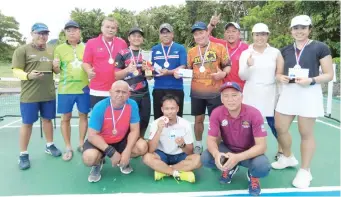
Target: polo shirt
[97, 56]
[177, 56]
[182, 128]
[234, 54]
[237, 133]
[101, 120]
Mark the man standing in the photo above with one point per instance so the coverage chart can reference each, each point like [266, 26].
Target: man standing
[114, 131]
[233, 45]
[210, 64]
[73, 85]
[171, 144]
[244, 139]
[167, 57]
[130, 68]
[99, 58]
[32, 64]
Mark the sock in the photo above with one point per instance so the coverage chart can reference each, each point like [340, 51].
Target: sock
[198, 143]
[22, 153]
[176, 173]
[48, 144]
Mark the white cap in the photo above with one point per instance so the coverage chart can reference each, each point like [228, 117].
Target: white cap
[300, 20]
[260, 27]
[233, 24]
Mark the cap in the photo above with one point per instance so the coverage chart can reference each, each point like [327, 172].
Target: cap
[301, 20]
[199, 26]
[232, 24]
[233, 85]
[260, 27]
[135, 29]
[166, 26]
[40, 27]
[71, 23]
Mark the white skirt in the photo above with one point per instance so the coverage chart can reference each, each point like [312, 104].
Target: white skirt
[301, 101]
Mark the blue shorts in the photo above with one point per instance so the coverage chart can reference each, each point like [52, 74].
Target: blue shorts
[29, 111]
[66, 102]
[171, 159]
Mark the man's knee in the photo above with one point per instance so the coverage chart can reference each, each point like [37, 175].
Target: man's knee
[207, 160]
[147, 158]
[90, 157]
[260, 167]
[46, 121]
[141, 147]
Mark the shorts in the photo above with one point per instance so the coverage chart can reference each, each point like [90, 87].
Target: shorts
[29, 111]
[170, 159]
[66, 102]
[95, 99]
[198, 106]
[119, 146]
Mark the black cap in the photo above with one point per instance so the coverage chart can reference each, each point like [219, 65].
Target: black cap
[135, 29]
[71, 24]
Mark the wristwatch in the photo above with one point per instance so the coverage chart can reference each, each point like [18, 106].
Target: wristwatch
[313, 82]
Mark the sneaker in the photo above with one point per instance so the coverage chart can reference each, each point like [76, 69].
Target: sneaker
[159, 175]
[198, 150]
[226, 176]
[187, 176]
[53, 150]
[302, 179]
[126, 169]
[95, 173]
[284, 162]
[278, 155]
[24, 162]
[254, 185]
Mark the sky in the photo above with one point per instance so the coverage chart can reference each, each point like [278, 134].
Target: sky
[56, 13]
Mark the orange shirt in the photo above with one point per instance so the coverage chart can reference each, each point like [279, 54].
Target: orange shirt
[203, 85]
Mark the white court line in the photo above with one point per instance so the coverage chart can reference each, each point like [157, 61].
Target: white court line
[8, 125]
[210, 193]
[326, 123]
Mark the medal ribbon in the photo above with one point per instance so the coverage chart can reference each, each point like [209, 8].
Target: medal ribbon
[106, 45]
[201, 57]
[299, 56]
[113, 115]
[164, 53]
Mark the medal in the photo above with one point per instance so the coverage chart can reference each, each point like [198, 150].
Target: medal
[202, 69]
[114, 131]
[300, 54]
[165, 119]
[166, 64]
[111, 61]
[136, 72]
[297, 66]
[148, 73]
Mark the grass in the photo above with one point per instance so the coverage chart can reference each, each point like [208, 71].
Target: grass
[5, 70]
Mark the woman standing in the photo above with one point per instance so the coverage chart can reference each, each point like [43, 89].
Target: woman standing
[301, 95]
[258, 67]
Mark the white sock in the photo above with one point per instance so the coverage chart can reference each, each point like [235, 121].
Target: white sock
[22, 153]
[48, 144]
[198, 143]
[176, 173]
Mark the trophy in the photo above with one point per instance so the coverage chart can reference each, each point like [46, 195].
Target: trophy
[146, 57]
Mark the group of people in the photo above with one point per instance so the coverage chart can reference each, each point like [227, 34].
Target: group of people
[238, 84]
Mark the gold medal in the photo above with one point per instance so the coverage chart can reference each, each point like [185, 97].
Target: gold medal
[148, 73]
[136, 72]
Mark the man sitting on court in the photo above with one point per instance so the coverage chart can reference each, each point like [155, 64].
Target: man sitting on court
[114, 131]
[244, 139]
[171, 144]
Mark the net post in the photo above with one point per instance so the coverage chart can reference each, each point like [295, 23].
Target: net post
[330, 93]
[41, 128]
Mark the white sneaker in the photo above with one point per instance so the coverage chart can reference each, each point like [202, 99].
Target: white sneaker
[284, 162]
[302, 179]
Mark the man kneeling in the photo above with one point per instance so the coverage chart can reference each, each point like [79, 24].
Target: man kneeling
[114, 131]
[171, 144]
[244, 139]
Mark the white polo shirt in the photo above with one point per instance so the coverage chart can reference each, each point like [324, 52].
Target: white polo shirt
[182, 128]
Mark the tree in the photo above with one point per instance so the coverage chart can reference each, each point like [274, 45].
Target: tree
[9, 36]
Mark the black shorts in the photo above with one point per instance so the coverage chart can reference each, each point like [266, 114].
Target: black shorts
[198, 106]
[119, 146]
[95, 99]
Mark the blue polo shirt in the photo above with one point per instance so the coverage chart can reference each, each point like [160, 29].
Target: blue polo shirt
[176, 57]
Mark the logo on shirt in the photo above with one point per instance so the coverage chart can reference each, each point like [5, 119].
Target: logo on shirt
[176, 52]
[224, 123]
[262, 128]
[245, 124]
[158, 53]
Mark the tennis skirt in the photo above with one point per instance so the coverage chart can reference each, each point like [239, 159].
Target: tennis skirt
[302, 101]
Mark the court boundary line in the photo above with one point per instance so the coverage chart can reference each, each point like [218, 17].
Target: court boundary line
[210, 193]
[9, 124]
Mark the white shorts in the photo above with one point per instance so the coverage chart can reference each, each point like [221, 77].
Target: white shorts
[302, 101]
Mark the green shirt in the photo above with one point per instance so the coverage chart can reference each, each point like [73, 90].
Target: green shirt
[29, 58]
[73, 79]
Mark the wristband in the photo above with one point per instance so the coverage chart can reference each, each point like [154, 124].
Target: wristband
[109, 151]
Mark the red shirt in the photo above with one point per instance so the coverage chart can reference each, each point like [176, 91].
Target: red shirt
[234, 54]
[97, 55]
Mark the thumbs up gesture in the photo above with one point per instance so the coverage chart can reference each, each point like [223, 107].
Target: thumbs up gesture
[250, 61]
